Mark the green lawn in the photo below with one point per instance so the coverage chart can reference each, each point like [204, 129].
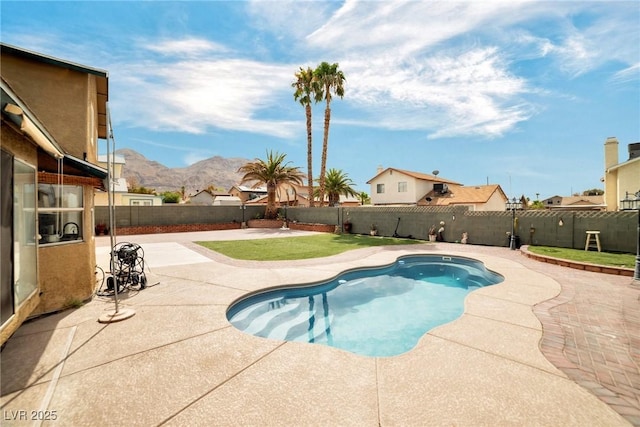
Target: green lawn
[592, 257]
[303, 247]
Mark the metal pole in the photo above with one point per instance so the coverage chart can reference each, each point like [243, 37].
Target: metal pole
[116, 315]
[110, 198]
[512, 244]
[636, 275]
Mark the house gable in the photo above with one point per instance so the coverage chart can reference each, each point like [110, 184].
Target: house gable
[70, 98]
[402, 187]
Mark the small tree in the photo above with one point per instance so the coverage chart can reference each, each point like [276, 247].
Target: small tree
[364, 198]
[272, 172]
[136, 189]
[183, 194]
[338, 184]
[170, 197]
[537, 204]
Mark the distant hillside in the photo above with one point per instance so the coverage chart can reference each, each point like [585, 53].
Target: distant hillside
[217, 171]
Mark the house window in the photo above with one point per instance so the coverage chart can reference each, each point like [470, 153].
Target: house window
[380, 188]
[402, 187]
[139, 202]
[60, 213]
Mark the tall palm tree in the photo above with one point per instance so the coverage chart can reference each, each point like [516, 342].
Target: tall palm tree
[338, 183]
[330, 80]
[305, 92]
[272, 172]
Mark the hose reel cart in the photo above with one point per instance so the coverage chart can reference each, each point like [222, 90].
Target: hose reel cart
[128, 267]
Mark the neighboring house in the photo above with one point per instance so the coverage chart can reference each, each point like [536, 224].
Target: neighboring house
[246, 194]
[620, 178]
[120, 188]
[227, 201]
[205, 197]
[348, 201]
[476, 198]
[292, 195]
[289, 194]
[393, 186]
[575, 203]
[53, 113]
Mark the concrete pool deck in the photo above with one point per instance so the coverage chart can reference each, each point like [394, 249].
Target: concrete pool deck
[178, 361]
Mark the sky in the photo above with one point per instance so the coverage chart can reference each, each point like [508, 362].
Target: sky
[517, 93]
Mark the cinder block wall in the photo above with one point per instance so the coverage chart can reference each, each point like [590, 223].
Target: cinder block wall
[533, 227]
[536, 227]
[170, 214]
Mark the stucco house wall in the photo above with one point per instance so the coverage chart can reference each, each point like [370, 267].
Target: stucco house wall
[391, 179]
[495, 203]
[69, 101]
[133, 199]
[65, 99]
[202, 198]
[629, 177]
[619, 177]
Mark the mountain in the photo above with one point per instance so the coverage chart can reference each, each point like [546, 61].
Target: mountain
[216, 171]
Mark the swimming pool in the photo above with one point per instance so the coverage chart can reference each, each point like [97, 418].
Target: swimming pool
[381, 311]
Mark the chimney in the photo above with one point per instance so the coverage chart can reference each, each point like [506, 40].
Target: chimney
[634, 150]
[610, 152]
[380, 169]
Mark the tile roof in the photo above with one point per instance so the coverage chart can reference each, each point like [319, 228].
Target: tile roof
[582, 200]
[459, 194]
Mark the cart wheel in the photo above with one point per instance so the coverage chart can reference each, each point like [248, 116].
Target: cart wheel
[110, 283]
[143, 281]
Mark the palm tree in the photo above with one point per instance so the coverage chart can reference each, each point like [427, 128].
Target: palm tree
[305, 92]
[329, 79]
[363, 197]
[272, 172]
[338, 183]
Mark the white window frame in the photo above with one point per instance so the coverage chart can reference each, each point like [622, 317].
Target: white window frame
[59, 211]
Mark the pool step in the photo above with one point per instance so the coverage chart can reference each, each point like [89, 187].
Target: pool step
[261, 322]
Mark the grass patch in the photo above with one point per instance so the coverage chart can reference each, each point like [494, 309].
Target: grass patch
[303, 247]
[592, 257]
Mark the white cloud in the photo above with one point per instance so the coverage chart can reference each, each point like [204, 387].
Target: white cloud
[442, 67]
[448, 94]
[404, 70]
[629, 74]
[290, 19]
[401, 28]
[197, 95]
[575, 45]
[185, 47]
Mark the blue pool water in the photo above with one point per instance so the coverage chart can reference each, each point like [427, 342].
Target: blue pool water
[381, 311]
